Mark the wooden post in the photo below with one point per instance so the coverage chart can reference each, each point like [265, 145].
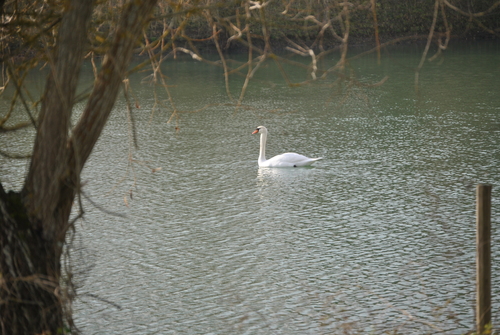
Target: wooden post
[483, 257]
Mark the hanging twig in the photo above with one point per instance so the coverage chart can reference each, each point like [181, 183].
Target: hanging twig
[429, 40]
[304, 52]
[222, 58]
[130, 116]
[442, 46]
[375, 25]
[18, 89]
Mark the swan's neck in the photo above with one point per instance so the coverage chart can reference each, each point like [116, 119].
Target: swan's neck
[262, 154]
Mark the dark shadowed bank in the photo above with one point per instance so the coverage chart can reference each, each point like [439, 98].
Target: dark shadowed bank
[321, 24]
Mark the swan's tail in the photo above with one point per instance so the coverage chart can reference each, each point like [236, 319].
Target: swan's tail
[310, 161]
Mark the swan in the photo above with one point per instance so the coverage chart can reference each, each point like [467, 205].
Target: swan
[288, 159]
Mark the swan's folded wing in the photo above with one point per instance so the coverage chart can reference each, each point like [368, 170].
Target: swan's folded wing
[290, 159]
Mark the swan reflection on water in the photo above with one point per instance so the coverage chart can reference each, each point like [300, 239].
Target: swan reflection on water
[284, 178]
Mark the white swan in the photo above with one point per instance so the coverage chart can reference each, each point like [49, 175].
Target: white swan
[288, 159]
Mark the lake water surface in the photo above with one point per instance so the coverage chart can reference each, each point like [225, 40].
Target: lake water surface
[379, 236]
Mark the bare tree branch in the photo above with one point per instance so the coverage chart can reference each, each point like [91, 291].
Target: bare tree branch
[429, 40]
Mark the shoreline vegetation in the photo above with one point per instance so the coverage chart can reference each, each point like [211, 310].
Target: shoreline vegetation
[236, 26]
[327, 25]
[393, 22]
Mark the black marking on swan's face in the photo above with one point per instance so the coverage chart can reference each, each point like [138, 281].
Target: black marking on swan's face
[256, 131]
[294, 165]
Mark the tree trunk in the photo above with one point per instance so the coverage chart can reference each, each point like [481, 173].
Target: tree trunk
[33, 223]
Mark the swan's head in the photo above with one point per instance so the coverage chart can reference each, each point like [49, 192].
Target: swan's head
[261, 130]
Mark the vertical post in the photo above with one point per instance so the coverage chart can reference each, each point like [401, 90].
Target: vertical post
[483, 257]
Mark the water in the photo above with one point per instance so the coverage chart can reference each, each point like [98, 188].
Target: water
[379, 236]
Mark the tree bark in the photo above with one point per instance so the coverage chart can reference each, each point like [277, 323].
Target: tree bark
[33, 223]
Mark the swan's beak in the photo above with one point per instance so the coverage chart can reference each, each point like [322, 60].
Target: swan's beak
[255, 131]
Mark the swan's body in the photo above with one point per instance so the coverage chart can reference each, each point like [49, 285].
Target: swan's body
[289, 159]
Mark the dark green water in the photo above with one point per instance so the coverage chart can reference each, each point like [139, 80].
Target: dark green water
[378, 236]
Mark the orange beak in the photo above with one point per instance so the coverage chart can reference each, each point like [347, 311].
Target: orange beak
[255, 131]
